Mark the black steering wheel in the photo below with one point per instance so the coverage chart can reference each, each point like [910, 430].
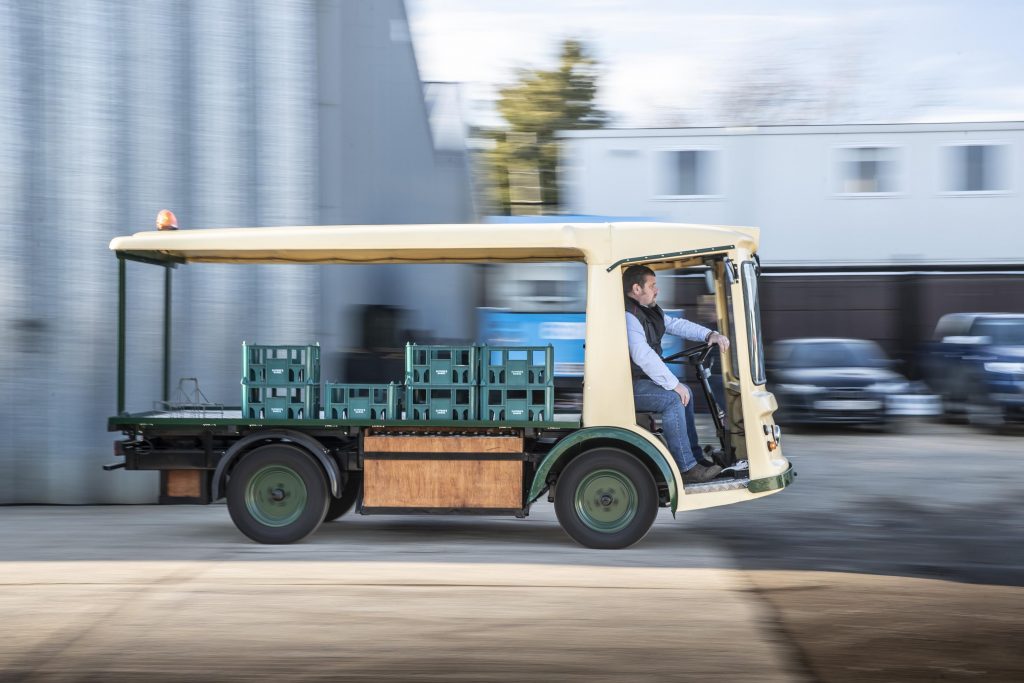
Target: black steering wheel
[695, 355]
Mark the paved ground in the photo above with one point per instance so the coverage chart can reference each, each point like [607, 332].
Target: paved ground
[893, 557]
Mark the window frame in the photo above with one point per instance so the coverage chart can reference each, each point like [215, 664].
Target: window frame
[837, 177]
[717, 175]
[946, 172]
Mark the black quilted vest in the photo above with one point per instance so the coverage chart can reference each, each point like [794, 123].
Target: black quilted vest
[652, 319]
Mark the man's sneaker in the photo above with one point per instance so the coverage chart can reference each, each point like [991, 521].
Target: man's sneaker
[700, 474]
[712, 456]
[721, 458]
[704, 459]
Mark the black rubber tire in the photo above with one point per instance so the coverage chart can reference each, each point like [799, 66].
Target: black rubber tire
[349, 495]
[628, 467]
[982, 414]
[311, 513]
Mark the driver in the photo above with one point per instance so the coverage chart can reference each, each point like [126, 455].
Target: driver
[655, 388]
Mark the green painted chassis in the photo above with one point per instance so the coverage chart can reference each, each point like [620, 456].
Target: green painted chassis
[157, 418]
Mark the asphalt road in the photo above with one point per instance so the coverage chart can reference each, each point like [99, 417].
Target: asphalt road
[892, 557]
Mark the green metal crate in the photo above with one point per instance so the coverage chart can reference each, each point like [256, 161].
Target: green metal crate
[517, 366]
[361, 401]
[529, 404]
[450, 403]
[281, 403]
[441, 365]
[280, 366]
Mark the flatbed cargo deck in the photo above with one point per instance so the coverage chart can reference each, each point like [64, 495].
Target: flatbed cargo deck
[232, 417]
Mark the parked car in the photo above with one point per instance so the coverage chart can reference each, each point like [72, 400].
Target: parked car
[841, 381]
[975, 361]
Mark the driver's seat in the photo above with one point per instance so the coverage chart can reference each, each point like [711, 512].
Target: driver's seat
[652, 423]
[649, 421]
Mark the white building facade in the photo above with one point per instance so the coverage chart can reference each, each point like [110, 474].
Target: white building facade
[861, 195]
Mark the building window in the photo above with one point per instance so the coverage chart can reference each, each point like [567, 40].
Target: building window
[867, 170]
[688, 173]
[977, 168]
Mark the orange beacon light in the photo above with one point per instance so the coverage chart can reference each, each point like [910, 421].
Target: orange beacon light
[165, 220]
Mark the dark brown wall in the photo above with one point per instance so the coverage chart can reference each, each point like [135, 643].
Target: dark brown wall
[899, 311]
[994, 293]
[839, 306]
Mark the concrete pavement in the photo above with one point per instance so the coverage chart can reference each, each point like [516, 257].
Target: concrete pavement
[892, 557]
[175, 593]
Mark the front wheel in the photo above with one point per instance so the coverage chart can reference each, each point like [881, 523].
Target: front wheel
[606, 499]
[277, 494]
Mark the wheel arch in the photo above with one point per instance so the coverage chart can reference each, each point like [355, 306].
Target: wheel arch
[594, 437]
[263, 438]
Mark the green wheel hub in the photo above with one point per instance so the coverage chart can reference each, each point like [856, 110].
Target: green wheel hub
[606, 500]
[275, 496]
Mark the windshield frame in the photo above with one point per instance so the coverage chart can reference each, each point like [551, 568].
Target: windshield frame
[752, 315]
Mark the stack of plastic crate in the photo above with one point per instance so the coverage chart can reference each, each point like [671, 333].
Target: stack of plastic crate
[281, 382]
[517, 383]
[441, 382]
[361, 401]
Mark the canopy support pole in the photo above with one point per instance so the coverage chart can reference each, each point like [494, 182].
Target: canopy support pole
[121, 293]
[167, 333]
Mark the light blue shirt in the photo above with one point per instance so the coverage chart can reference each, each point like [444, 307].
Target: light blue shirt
[643, 355]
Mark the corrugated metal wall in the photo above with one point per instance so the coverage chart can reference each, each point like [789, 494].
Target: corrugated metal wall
[110, 111]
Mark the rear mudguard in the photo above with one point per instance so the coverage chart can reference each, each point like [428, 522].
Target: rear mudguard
[246, 443]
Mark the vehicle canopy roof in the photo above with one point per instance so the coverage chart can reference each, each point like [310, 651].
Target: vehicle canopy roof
[603, 243]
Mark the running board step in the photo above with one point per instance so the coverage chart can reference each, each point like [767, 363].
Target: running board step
[717, 485]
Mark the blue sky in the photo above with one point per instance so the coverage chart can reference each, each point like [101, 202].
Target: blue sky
[668, 61]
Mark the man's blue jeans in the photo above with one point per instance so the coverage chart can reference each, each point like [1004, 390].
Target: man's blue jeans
[676, 420]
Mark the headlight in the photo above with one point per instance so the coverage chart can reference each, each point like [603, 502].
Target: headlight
[799, 388]
[889, 387]
[1005, 368]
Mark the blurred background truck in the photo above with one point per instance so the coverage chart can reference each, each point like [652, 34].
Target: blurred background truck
[976, 362]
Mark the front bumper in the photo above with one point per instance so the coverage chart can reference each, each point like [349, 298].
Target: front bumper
[832, 417]
[1007, 392]
[832, 408]
[779, 481]
[913, 405]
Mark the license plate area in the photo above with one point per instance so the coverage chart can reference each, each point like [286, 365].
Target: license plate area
[848, 404]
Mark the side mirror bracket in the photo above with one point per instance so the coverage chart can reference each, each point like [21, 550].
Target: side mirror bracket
[709, 281]
[730, 273]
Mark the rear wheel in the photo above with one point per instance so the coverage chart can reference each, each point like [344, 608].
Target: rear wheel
[277, 494]
[606, 499]
[954, 410]
[984, 414]
[339, 506]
